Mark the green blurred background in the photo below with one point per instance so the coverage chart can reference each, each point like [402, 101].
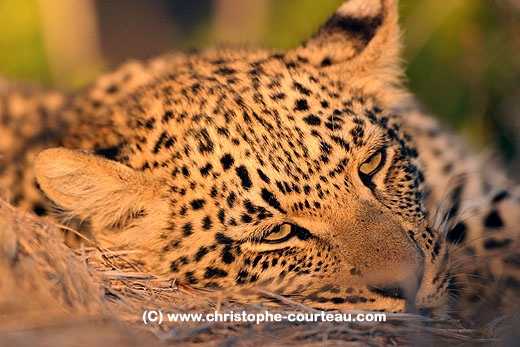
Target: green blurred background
[463, 55]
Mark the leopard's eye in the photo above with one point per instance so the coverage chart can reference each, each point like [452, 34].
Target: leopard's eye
[372, 164]
[279, 234]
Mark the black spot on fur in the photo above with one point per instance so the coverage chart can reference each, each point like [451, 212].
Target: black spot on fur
[39, 209]
[457, 233]
[256, 260]
[206, 223]
[279, 96]
[265, 265]
[244, 177]
[213, 272]
[338, 300]
[263, 176]
[187, 229]
[493, 243]
[271, 200]
[341, 142]
[231, 199]
[357, 135]
[169, 142]
[301, 89]
[205, 144]
[493, 220]
[227, 256]
[326, 287]
[246, 218]
[249, 207]
[355, 272]
[197, 204]
[204, 171]
[301, 105]
[225, 71]
[500, 196]
[326, 62]
[159, 142]
[149, 123]
[227, 161]
[223, 239]
[242, 275]
[222, 215]
[167, 116]
[201, 253]
[280, 187]
[195, 87]
[108, 152]
[312, 120]
[112, 89]
[190, 276]
[436, 249]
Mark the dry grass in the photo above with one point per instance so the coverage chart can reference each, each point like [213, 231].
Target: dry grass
[52, 295]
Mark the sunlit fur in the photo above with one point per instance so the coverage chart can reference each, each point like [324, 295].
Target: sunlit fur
[193, 159]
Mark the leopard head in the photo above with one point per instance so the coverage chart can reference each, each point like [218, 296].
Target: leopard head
[287, 171]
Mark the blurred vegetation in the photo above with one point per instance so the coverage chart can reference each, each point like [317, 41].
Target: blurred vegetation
[463, 55]
[21, 41]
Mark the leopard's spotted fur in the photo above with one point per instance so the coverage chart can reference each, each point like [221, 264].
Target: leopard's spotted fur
[194, 159]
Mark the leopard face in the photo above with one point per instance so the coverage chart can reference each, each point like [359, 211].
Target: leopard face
[283, 171]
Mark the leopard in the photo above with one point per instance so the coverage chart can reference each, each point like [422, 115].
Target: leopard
[313, 173]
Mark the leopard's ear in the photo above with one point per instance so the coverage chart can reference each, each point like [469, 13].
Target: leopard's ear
[105, 192]
[361, 40]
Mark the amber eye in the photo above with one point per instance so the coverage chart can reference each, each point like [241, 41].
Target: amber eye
[278, 234]
[372, 164]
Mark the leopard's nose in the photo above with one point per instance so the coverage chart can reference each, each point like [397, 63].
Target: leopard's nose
[384, 257]
[380, 253]
[401, 281]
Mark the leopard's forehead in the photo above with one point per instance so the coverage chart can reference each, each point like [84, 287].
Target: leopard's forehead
[272, 111]
[243, 142]
[273, 105]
